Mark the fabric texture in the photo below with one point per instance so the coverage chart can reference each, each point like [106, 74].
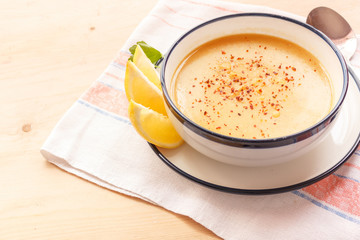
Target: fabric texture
[95, 140]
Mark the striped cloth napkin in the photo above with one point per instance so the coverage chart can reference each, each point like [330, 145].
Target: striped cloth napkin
[96, 141]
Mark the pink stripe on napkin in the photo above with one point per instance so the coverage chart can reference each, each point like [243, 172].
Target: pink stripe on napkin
[107, 98]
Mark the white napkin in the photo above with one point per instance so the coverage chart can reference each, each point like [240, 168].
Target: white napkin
[96, 141]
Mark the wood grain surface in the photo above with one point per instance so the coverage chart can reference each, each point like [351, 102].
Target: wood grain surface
[50, 53]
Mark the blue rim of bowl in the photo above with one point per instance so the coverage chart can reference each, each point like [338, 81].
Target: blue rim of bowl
[256, 143]
[262, 191]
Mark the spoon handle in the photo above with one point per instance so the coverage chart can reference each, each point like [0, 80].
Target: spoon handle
[353, 74]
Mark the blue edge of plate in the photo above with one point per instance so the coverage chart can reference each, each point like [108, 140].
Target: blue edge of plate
[263, 191]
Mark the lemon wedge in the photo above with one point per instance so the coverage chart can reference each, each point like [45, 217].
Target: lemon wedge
[146, 67]
[153, 126]
[140, 89]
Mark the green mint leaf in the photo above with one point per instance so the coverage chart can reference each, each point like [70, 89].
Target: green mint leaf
[132, 51]
[153, 54]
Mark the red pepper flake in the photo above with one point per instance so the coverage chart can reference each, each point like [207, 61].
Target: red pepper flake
[223, 52]
[294, 69]
[247, 50]
[218, 127]
[254, 125]
[189, 92]
[205, 113]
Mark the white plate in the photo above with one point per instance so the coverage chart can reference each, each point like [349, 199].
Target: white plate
[302, 171]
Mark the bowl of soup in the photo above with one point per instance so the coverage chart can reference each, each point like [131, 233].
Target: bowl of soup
[253, 89]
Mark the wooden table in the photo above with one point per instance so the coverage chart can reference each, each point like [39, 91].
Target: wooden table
[51, 51]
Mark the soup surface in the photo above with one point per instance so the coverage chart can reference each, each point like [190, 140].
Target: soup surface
[252, 86]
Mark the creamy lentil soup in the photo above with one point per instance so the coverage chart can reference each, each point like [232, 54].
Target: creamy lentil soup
[252, 86]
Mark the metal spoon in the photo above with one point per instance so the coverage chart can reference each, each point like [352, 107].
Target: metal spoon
[338, 30]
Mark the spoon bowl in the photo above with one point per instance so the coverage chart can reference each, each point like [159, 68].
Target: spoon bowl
[334, 26]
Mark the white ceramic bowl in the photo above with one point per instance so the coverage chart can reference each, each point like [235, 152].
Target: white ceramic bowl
[255, 152]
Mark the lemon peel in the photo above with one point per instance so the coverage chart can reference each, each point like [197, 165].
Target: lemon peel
[146, 67]
[140, 89]
[154, 127]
